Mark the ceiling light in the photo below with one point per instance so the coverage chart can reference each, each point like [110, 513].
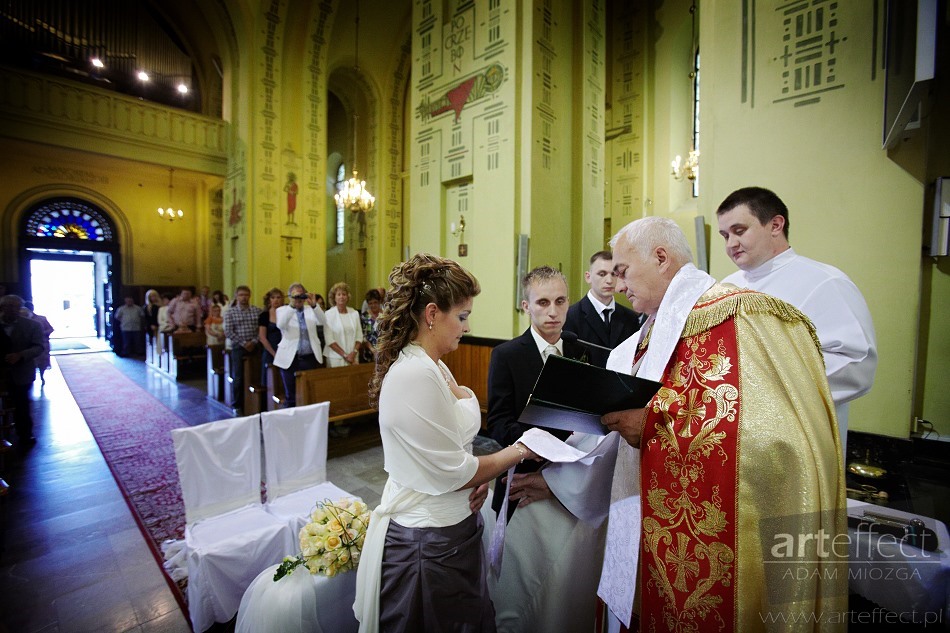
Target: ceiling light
[169, 213]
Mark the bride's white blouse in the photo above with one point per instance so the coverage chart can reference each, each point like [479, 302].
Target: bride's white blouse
[427, 439]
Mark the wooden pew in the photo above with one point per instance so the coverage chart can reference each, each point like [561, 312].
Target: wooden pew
[253, 389]
[185, 347]
[469, 364]
[153, 349]
[347, 389]
[215, 371]
[271, 394]
[156, 350]
[276, 396]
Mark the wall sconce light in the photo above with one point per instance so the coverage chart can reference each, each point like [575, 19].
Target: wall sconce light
[688, 169]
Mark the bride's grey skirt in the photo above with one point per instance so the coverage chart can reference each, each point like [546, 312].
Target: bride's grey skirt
[433, 580]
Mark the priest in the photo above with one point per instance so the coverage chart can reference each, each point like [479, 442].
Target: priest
[736, 457]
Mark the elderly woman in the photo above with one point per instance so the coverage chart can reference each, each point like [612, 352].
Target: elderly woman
[299, 347]
[422, 562]
[343, 331]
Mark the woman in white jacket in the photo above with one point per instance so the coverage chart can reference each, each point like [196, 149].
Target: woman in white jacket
[299, 347]
[344, 329]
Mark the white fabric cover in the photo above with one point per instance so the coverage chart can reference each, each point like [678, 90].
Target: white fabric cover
[229, 537]
[298, 603]
[295, 448]
[295, 463]
[842, 321]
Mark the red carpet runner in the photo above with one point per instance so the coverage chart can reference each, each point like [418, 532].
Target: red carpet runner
[132, 429]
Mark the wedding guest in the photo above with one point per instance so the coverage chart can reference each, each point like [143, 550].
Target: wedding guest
[267, 331]
[370, 320]
[131, 319]
[343, 331]
[320, 302]
[218, 298]
[240, 328]
[214, 326]
[164, 323]
[299, 347]
[153, 302]
[204, 302]
[184, 313]
[422, 567]
[43, 360]
[21, 341]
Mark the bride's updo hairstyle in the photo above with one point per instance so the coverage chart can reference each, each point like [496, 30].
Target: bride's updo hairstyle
[413, 285]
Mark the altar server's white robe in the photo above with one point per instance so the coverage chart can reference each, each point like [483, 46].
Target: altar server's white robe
[837, 309]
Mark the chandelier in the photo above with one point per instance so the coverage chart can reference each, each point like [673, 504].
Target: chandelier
[687, 169]
[169, 213]
[354, 195]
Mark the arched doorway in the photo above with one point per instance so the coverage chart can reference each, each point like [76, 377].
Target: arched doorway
[69, 265]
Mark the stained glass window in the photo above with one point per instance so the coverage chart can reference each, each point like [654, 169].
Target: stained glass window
[70, 219]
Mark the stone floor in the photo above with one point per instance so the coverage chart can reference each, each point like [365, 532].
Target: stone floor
[71, 556]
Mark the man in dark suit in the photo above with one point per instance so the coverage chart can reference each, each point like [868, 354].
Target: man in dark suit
[597, 318]
[516, 364]
[21, 341]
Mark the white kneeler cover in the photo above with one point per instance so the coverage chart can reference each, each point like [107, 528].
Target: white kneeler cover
[228, 535]
[295, 462]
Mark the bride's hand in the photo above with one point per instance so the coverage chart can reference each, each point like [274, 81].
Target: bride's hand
[477, 498]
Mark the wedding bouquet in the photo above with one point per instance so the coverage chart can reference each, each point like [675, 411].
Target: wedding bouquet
[331, 542]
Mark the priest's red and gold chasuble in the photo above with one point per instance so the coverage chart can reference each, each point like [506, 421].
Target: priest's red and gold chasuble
[739, 448]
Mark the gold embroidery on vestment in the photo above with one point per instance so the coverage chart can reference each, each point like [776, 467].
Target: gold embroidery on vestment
[682, 514]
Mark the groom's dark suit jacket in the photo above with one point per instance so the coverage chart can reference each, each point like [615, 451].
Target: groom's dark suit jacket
[583, 320]
[512, 372]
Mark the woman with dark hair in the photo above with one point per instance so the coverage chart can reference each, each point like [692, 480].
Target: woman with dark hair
[218, 298]
[422, 563]
[267, 331]
[370, 319]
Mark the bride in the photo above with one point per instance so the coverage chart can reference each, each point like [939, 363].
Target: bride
[422, 564]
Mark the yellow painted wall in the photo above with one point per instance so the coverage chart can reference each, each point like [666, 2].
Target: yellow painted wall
[850, 205]
[450, 174]
[153, 251]
[933, 398]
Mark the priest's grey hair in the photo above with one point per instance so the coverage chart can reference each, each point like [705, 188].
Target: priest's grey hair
[647, 234]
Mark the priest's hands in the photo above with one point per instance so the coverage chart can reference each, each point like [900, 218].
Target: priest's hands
[529, 487]
[628, 423]
[477, 498]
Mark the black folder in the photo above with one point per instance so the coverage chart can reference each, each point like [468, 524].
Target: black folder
[572, 396]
